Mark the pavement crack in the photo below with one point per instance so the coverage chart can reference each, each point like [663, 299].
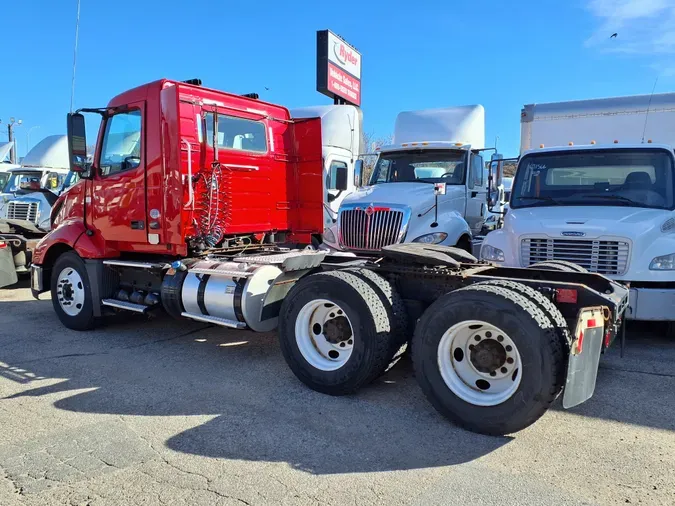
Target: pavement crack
[635, 371]
[67, 355]
[149, 343]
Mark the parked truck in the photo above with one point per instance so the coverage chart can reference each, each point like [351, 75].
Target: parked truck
[26, 200]
[195, 203]
[341, 139]
[595, 186]
[427, 187]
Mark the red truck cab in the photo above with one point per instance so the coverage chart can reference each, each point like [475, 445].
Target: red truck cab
[180, 168]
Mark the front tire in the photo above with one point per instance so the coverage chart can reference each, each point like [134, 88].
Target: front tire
[71, 293]
[488, 358]
[336, 332]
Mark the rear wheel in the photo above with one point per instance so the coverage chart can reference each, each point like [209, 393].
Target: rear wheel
[558, 265]
[336, 332]
[71, 292]
[488, 358]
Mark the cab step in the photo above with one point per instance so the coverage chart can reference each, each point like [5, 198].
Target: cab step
[121, 304]
[223, 322]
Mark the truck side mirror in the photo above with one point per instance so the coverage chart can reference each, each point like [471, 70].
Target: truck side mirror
[358, 173]
[77, 142]
[341, 178]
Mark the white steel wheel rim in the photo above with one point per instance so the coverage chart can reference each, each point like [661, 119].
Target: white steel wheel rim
[324, 335]
[479, 363]
[70, 291]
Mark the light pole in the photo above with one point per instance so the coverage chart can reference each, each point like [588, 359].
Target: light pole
[10, 136]
[28, 137]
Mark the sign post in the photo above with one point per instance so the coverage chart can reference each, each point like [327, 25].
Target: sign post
[338, 69]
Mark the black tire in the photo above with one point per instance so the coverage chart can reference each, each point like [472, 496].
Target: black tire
[528, 327]
[558, 265]
[398, 314]
[549, 309]
[370, 320]
[84, 320]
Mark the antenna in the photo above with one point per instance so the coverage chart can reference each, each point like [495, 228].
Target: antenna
[77, 33]
[644, 130]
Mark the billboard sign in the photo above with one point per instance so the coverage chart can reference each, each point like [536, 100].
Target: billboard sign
[338, 68]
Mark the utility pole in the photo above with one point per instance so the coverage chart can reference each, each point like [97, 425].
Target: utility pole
[10, 136]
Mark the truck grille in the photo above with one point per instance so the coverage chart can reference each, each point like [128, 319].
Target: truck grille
[27, 211]
[604, 257]
[371, 228]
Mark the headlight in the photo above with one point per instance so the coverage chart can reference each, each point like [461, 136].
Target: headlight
[434, 238]
[491, 254]
[663, 263]
[328, 235]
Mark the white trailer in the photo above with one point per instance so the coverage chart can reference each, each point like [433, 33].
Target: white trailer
[595, 186]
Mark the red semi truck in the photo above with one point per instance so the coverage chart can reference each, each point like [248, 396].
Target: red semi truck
[199, 202]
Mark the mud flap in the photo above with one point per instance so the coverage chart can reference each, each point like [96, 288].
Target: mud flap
[582, 368]
[8, 274]
[279, 289]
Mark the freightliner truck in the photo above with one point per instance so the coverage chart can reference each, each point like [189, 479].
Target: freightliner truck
[595, 186]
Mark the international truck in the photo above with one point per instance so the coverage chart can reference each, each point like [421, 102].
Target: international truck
[595, 186]
[26, 200]
[341, 140]
[198, 202]
[427, 187]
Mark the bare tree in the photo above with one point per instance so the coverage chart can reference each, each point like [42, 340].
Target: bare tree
[371, 145]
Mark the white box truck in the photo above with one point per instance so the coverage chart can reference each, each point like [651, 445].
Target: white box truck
[595, 186]
[427, 187]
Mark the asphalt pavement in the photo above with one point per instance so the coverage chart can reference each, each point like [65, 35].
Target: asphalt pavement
[166, 412]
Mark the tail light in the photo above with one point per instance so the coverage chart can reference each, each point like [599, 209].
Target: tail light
[3, 244]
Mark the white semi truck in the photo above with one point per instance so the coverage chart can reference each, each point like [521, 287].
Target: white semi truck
[595, 186]
[427, 187]
[341, 142]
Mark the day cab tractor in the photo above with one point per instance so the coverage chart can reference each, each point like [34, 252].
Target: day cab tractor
[199, 203]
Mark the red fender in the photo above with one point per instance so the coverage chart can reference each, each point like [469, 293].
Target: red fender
[71, 234]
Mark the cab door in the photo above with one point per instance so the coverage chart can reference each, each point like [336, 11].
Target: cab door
[475, 194]
[118, 198]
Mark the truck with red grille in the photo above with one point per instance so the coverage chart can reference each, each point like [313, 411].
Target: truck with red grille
[204, 205]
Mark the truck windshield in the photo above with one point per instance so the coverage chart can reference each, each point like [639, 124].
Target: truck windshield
[615, 177]
[423, 166]
[22, 181]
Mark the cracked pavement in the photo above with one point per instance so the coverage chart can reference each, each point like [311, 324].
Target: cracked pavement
[166, 412]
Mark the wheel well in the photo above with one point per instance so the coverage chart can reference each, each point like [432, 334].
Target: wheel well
[50, 259]
[464, 243]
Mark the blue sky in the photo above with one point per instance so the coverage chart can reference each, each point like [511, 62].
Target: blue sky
[423, 54]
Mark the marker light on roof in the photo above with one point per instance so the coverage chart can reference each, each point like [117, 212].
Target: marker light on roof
[592, 142]
[458, 143]
[541, 145]
[404, 144]
[616, 141]
[413, 144]
[649, 141]
[426, 143]
[570, 143]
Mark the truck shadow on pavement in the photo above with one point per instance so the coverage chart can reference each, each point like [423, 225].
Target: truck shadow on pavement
[261, 412]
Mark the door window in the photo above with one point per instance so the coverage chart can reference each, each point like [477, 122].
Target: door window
[121, 143]
[331, 183]
[477, 171]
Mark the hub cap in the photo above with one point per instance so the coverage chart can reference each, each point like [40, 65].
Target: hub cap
[479, 363]
[70, 291]
[324, 335]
